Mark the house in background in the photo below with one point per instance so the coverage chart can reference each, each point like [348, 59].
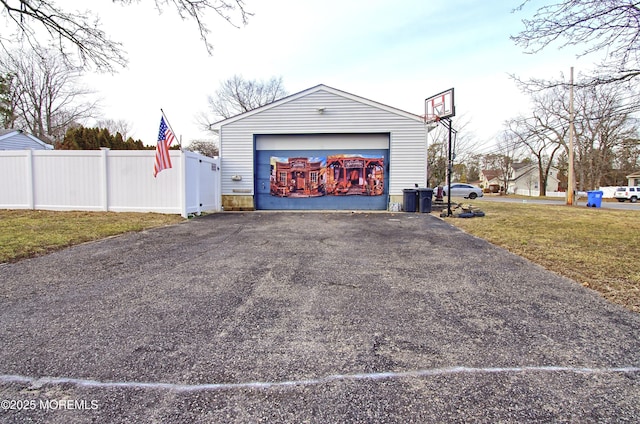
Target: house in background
[523, 180]
[634, 179]
[491, 179]
[13, 139]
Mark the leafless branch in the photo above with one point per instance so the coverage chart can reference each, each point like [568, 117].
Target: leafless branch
[25, 21]
[609, 27]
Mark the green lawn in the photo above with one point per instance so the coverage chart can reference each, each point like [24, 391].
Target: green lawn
[598, 248]
[26, 233]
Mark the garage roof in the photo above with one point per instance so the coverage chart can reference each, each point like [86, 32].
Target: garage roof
[321, 87]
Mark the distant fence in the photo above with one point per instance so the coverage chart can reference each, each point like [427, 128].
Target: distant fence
[607, 192]
[536, 193]
[108, 180]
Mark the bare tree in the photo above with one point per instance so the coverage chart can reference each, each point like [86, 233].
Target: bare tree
[604, 127]
[611, 27]
[204, 147]
[463, 144]
[238, 95]
[46, 95]
[436, 163]
[627, 160]
[543, 134]
[508, 147]
[115, 126]
[81, 31]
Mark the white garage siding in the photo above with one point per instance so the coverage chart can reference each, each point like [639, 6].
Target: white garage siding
[342, 113]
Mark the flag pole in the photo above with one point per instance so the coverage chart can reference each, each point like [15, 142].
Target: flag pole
[169, 125]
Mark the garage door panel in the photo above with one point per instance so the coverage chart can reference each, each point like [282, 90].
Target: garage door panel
[340, 179]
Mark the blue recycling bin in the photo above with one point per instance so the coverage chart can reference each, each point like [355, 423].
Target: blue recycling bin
[410, 199]
[594, 198]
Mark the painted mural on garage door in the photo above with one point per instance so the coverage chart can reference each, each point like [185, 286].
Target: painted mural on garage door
[334, 175]
[329, 179]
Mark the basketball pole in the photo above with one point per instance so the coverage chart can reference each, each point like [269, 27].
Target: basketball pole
[449, 125]
[442, 108]
[449, 171]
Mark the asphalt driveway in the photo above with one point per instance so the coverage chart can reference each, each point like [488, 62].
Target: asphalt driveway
[308, 317]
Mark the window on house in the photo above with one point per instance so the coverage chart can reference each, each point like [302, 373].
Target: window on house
[283, 178]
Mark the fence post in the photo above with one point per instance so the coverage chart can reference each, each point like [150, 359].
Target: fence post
[104, 186]
[197, 166]
[183, 184]
[218, 175]
[31, 204]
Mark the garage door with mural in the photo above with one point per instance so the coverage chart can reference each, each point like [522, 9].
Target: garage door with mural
[322, 179]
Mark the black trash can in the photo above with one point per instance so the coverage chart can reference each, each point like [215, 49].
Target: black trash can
[424, 197]
[409, 199]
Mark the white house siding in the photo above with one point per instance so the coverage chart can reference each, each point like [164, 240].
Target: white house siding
[343, 114]
[526, 182]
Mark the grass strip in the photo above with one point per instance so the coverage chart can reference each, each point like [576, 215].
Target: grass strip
[27, 233]
[598, 248]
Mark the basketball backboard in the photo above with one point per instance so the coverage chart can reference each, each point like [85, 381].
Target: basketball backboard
[439, 107]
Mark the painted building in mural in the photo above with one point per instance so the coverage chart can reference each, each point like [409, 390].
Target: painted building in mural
[355, 175]
[321, 148]
[336, 175]
[298, 177]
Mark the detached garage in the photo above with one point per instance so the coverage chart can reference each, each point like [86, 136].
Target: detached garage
[321, 148]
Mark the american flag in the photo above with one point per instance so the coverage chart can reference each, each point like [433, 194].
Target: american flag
[165, 138]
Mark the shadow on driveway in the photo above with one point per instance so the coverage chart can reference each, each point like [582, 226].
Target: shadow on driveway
[308, 317]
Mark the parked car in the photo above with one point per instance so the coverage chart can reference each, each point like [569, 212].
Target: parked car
[467, 191]
[631, 194]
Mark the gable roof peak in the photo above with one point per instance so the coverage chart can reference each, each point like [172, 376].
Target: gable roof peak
[311, 90]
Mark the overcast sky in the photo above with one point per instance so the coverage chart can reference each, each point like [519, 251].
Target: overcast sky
[393, 52]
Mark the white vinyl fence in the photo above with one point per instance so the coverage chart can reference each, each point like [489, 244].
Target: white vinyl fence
[607, 192]
[108, 180]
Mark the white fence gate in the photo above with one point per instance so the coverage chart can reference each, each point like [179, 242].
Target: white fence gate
[108, 180]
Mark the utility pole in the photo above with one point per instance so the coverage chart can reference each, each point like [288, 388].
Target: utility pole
[571, 185]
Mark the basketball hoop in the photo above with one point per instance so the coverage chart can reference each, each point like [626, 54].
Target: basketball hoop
[431, 119]
[440, 106]
[431, 122]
